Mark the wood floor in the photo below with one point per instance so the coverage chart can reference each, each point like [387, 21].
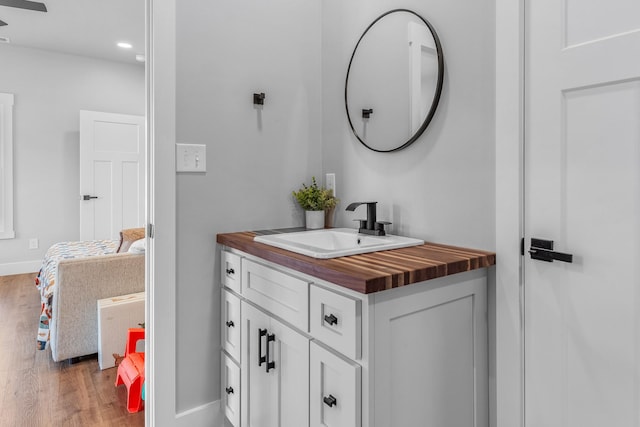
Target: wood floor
[35, 390]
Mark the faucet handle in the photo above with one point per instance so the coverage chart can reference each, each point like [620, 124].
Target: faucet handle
[380, 227]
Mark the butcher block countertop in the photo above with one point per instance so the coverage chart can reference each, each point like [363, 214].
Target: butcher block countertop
[370, 272]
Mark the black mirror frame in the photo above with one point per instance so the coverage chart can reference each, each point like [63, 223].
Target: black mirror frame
[436, 97]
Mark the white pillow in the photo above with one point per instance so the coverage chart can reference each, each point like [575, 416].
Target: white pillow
[137, 247]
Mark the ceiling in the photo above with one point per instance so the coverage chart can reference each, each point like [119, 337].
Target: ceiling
[81, 27]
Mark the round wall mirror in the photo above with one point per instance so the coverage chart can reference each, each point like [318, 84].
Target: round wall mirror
[394, 81]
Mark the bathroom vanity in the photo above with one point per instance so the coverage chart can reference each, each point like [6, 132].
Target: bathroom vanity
[384, 339]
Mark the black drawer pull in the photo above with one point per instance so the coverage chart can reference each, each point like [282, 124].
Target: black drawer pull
[330, 401]
[230, 271]
[261, 358]
[229, 390]
[270, 364]
[230, 324]
[331, 319]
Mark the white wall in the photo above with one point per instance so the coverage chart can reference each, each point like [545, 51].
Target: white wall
[50, 90]
[226, 51]
[441, 188]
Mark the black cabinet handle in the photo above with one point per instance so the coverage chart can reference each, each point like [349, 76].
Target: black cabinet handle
[230, 324]
[230, 271]
[330, 401]
[331, 319]
[261, 358]
[270, 364]
[88, 197]
[229, 390]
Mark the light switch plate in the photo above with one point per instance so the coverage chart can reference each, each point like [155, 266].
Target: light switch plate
[191, 158]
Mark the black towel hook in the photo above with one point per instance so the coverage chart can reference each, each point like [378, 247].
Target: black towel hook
[258, 98]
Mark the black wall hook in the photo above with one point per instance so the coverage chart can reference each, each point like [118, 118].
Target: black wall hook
[367, 113]
[258, 98]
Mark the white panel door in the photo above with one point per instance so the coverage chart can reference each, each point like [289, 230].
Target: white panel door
[582, 190]
[112, 174]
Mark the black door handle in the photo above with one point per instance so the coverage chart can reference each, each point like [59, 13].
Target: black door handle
[270, 364]
[88, 197]
[230, 271]
[230, 324]
[229, 390]
[261, 358]
[543, 250]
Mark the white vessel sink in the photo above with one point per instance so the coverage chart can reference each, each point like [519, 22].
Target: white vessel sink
[335, 242]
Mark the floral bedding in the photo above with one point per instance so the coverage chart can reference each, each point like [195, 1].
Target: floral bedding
[48, 275]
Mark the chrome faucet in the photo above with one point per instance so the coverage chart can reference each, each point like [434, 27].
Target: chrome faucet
[369, 225]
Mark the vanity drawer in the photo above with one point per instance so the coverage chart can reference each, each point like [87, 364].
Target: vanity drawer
[231, 324]
[335, 389]
[230, 271]
[281, 294]
[231, 390]
[336, 320]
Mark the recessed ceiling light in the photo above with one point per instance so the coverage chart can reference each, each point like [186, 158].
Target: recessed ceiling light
[125, 45]
[140, 58]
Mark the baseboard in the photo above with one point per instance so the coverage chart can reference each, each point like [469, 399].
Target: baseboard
[12, 268]
[206, 415]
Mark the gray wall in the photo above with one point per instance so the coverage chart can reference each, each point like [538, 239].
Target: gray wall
[226, 51]
[441, 188]
[50, 90]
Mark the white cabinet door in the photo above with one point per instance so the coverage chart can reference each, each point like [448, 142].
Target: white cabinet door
[336, 320]
[230, 271]
[231, 323]
[230, 390]
[275, 372]
[335, 389]
[430, 366]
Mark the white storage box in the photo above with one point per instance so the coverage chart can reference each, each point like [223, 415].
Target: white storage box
[115, 316]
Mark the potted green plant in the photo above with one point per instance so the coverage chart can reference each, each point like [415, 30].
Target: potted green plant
[315, 201]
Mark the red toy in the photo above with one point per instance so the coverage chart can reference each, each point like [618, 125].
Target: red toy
[131, 370]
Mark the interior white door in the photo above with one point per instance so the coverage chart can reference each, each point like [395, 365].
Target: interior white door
[582, 190]
[112, 174]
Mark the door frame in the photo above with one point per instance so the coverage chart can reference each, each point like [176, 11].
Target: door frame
[160, 268]
[509, 127]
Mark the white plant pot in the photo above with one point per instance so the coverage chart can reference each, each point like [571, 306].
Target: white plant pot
[314, 219]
